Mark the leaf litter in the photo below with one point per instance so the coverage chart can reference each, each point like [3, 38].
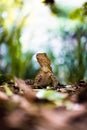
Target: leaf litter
[24, 106]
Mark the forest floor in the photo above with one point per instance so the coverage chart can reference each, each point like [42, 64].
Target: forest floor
[24, 108]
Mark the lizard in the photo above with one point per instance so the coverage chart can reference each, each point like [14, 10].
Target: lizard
[45, 76]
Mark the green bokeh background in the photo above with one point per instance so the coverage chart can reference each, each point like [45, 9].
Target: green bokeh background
[64, 29]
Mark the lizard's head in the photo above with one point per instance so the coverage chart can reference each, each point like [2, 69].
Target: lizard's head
[43, 59]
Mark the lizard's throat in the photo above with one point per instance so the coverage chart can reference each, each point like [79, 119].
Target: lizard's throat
[45, 69]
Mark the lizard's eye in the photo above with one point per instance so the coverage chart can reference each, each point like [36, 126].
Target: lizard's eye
[39, 80]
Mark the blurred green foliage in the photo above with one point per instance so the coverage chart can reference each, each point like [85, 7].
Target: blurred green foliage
[80, 13]
[77, 55]
[73, 56]
[69, 66]
[14, 60]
